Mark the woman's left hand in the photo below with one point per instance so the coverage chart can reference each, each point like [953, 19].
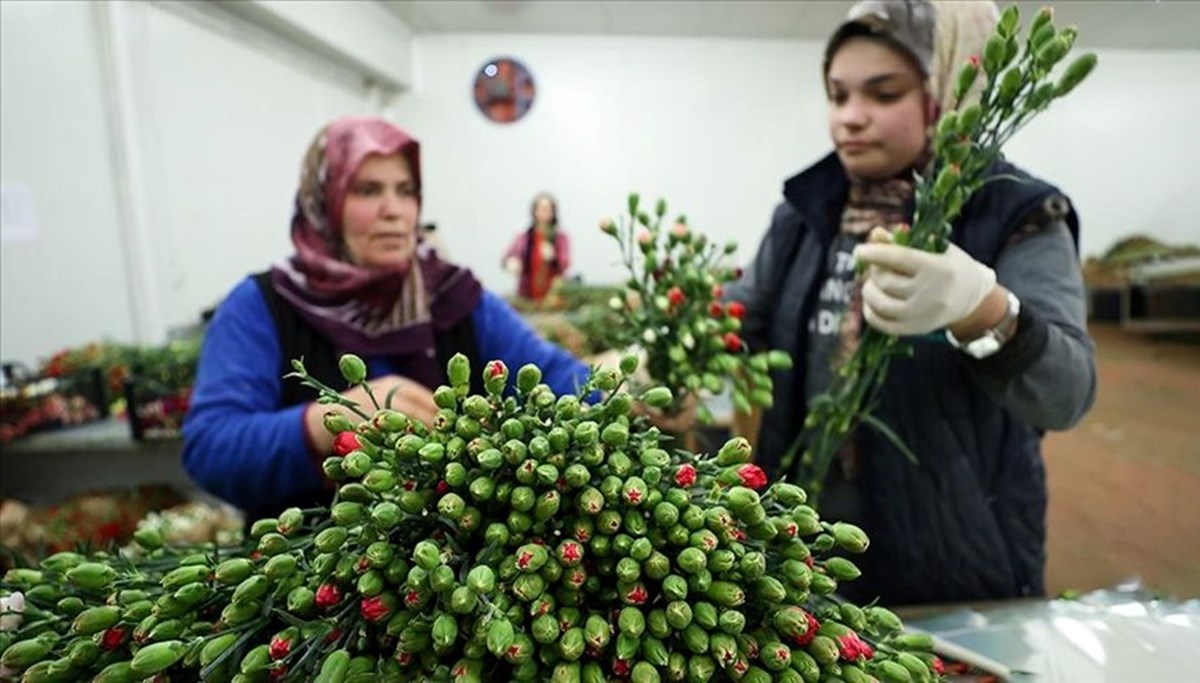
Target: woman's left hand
[909, 291]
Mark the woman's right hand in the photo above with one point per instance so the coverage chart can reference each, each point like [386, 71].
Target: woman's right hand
[411, 398]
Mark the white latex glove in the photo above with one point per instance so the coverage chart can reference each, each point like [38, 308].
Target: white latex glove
[11, 609]
[909, 291]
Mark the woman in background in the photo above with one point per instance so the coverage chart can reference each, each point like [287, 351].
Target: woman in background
[541, 254]
[359, 282]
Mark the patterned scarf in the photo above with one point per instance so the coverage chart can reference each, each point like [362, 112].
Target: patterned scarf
[369, 311]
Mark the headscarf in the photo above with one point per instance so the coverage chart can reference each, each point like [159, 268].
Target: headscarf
[961, 30]
[394, 312]
[938, 35]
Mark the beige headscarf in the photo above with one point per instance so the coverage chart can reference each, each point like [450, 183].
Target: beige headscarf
[962, 29]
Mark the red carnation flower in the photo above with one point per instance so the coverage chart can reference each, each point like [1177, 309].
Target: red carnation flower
[345, 443]
[280, 647]
[685, 476]
[675, 296]
[113, 638]
[752, 476]
[374, 609]
[327, 595]
[805, 638]
[621, 667]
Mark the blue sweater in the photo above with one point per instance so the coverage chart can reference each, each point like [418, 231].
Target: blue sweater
[242, 446]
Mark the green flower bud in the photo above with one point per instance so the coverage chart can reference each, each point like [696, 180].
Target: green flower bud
[946, 180]
[658, 397]
[280, 567]
[482, 488]
[528, 377]
[850, 538]
[918, 671]
[735, 451]
[822, 584]
[477, 407]
[695, 638]
[300, 600]
[842, 569]
[727, 594]
[1075, 73]
[346, 513]
[95, 620]
[157, 657]
[701, 668]
[1010, 85]
[234, 570]
[692, 560]
[499, 636]
[597, 632]
[91, 576]
[634, 491]
[481, 579]
[1052, 52]
[178, 577]
[251, 589]
[572, 644]
[631, 621]
[919, 642]
[353, 369]
[458, 371]
[380, 480]
[994, 52]
[884, 620]
[426, 555]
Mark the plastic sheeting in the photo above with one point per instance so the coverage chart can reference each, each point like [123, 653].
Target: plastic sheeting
[1119, 635]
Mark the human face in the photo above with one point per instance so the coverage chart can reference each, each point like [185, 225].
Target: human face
[543, 211]
[379, 215]
[878, 109]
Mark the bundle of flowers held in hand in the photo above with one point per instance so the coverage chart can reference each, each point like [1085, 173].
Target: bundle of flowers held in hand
[524, 537]
[1018, 85]
[673, 310]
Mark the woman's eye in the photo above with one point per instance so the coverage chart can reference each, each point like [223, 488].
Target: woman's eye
[406, 191]
[366, 190]
[837, 97]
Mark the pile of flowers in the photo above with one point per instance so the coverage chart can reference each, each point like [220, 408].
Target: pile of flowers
[673, 310]
[523, 537]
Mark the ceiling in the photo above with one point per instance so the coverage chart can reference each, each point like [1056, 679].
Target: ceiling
[1130, 24]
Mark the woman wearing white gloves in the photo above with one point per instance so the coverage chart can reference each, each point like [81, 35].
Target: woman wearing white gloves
[1001, 351]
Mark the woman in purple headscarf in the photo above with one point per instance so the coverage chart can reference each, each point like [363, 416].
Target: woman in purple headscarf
[359, 282]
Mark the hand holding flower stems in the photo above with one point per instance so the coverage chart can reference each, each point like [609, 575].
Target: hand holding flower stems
[673, 310]
[966, 143]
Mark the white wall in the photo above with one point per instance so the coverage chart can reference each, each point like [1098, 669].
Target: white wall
[717, 125]
[162, 142]
[711, 125]
[68, 286]
[217, 112]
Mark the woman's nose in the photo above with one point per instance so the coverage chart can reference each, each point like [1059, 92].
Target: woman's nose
[852, 113]
[391, 204]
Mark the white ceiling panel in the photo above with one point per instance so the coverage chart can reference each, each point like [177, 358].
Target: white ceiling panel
[1130, 24]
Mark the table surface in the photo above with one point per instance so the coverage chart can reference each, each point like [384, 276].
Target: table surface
[51, 466]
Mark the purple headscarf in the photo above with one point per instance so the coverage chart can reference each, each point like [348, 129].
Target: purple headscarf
[393, 312]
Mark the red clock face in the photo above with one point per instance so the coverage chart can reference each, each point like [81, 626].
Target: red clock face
[504, 90]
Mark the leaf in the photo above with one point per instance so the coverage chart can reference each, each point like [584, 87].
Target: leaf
[879, 426]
